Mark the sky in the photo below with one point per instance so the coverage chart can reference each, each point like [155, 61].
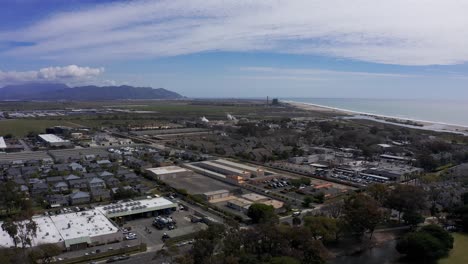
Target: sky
[242, 48]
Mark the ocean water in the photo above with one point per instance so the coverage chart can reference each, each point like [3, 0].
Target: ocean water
[439, 111]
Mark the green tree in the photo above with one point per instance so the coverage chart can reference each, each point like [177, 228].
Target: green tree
[307, 201]
[322, 227]
[362, 214]
[283, 260]
[413, 218]
[429, 244]
[262, 213]
[379, 192]
[406, 198]
[44, 253]
[296, 221]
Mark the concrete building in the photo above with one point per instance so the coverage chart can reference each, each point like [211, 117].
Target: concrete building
[239, 204]
[71, 231]
[53, 140]
[168, 172]
[3, 145]
[215, 195]
[146, 207]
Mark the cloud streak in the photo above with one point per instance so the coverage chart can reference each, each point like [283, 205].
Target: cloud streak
[403, 32]
[67, 74]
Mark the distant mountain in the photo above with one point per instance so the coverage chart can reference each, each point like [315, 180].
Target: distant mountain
[26, 91]
[57, 91]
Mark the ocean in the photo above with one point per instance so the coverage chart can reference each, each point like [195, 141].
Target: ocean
[437, 111]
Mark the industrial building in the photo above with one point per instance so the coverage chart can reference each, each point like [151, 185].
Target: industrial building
[168, 172]
[53, 141]
[229, 171]
[134, 209]
[216, 195]
[3, 145]
[78, 230]
[71, 231]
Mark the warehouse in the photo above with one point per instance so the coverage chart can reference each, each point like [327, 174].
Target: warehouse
[53, 141]
[3, 145]
[216, 195]
[168, 172]
[140, 208]
[71, 231]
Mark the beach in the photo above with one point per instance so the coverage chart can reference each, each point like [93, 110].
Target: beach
[404, 122]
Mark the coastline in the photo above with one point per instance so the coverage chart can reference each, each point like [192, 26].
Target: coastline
[398, 121]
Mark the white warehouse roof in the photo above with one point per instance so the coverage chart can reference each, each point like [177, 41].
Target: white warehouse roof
[167, 170]
[135, 207]
[67, 228]
[2, 143]
[51, 138]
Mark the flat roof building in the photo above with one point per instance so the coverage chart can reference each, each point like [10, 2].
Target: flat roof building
[53, 140]
[134, 208]
[215, 195]
[71, 231]
[167, 172]
[3, 145]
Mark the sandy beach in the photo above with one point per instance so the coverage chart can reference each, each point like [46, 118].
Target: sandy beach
[410, 123]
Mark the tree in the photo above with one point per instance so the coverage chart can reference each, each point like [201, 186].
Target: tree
[306, 202]
[283, 260]
[379, 192]
[362, 214]
[322, 227]
[296, 221]
[262, 213]
[12, 230]
[44, 253]
[412, 218]
[429, 244]
[406, 198]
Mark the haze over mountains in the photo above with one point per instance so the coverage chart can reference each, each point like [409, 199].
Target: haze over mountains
[59, 91]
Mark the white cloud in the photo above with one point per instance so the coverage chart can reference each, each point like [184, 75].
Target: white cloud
[405, 32]
[68, 74]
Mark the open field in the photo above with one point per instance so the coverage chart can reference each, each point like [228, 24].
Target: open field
[458, 255]
[21, 127]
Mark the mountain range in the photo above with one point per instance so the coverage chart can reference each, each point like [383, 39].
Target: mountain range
[59, 91]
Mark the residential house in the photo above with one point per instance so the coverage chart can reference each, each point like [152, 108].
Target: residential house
[39, 188]
[60, 187]
[76, 167]
[112, 182]
[81, 184]
[97, 183]
[79, 198]
[57, 200]
[100, 195]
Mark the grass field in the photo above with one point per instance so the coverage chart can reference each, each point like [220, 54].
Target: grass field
[459, 253]
[21, 127]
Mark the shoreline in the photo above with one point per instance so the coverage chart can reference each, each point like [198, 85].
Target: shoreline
[404, 122]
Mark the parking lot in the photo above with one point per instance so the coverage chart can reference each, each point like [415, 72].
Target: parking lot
[147, 233]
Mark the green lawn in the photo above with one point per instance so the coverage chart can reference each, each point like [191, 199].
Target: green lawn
[459, 253]
[21, 127]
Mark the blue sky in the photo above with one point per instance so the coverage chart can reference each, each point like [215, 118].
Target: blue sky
[242, 48]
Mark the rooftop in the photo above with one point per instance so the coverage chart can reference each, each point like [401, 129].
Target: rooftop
[63, 227]
[167, 170]
[135, 207]
[51, 138]
[254, 197]
[2, 143]
[216, 192]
